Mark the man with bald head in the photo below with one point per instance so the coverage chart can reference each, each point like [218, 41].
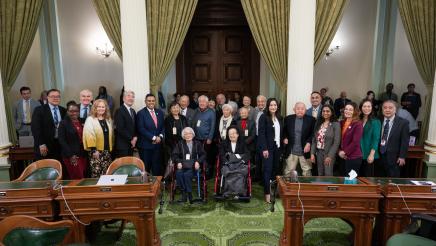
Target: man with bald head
[298, 132]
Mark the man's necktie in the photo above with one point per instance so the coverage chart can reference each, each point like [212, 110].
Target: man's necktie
[28, 117]
[384, 139]
[153, 115]
[55, 117]
[85, 112]
[132, 115]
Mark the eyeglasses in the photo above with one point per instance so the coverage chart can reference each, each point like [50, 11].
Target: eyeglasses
[55, 97]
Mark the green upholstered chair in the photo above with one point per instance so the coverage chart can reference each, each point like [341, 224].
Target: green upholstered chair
[129, 165]
[23, 230]
[47, 169]
[420, 232]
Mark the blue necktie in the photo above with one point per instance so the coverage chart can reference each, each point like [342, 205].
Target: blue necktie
[384, 138]
[55, 117]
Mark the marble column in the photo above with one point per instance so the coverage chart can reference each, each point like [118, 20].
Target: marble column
[4, 138]
[135, 49]
[300, 52]
[430, 143]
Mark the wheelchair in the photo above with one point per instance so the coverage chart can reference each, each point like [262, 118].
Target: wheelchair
[200, 187]
[220, 183]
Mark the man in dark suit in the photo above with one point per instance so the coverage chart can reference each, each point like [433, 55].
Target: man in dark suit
[340, 103]
[85, 98]
[45, 123]
[315, 109]
[185, 110]
[298, 133]
[125, 128]
[150, 126]
[394, 141]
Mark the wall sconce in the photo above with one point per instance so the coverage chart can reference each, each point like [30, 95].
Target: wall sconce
[105, 50]
[332, 49]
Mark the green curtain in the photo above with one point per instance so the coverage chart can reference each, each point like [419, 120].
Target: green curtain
[328, 16]
[269, 21]
[167, 22]
[108, 12]
[419, 20]
[18, 24]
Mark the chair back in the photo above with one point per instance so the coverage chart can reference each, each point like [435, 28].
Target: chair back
[26, 230]
[129, 165]
[47, 169]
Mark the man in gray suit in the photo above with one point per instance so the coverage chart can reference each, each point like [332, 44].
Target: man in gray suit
[185, 110]
[23, 111]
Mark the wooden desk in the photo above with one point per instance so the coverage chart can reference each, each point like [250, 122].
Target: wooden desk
[27, 198]
[18, 157]
[394, 215]
[134, 201]
[328, 197]
[414, 161]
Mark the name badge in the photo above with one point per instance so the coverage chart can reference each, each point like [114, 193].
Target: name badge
[188, 156]
[383, 142]
[198, 123]
[56, 133]
[238, 156]
[246, 132]
[174, 131]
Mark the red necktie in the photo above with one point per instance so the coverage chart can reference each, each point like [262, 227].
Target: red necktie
[153, 115]
[244, 124]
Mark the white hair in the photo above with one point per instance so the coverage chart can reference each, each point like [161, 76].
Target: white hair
[203, 97]
[186, 130]
[234, 106]
[125, 93]
[260, 96]
[85, 91]
[227, 105]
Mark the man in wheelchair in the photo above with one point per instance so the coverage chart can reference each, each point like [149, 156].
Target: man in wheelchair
[187, 155]
[232, 169]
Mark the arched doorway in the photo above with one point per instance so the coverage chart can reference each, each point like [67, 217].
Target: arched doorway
[219, 54]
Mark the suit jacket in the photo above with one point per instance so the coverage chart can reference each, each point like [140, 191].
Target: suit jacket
[189, 115]
[44, 129]
[249, 140]
[340, 104]
[306, 132]
[125, 128]
[71, 143]
[172, 139]
[265, 139]
[147, 129]
[332, 140]
[351, 141]
[181, 149]
[83, 119]
[18, 112]
[309, 111]
[240, 148]
[398, 140]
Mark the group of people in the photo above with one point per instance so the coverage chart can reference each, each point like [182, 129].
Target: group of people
[193, 133]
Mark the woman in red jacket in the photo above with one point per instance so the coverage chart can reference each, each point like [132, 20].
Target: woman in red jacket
[352, 130]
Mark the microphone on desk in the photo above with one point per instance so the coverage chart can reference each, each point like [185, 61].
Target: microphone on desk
[294, 176]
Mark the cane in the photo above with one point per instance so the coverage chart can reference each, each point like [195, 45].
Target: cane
[198, 183]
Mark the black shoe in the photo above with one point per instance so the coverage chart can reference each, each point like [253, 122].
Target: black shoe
[183, 198]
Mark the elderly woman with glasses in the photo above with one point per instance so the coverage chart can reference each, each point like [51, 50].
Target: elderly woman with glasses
[187, 155]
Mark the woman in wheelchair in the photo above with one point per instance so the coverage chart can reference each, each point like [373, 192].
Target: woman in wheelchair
[234, 156]
[187, 155]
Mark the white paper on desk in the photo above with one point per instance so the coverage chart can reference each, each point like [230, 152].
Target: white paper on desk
[423, 182]
[412, 141]
[112, 179]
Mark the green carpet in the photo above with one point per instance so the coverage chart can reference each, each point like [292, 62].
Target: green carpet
[229, 223]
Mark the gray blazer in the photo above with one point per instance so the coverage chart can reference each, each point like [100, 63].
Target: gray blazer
[332, 139]
[189, 115]
[19, 112]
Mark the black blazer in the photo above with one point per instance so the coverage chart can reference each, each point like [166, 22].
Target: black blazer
[170, 139]
[250, 140]
[266, 133]
[43, 128]
[306, 132]
[69, 140]
[125, 128]
[241, 149]
[181, 149]
[398, 140]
